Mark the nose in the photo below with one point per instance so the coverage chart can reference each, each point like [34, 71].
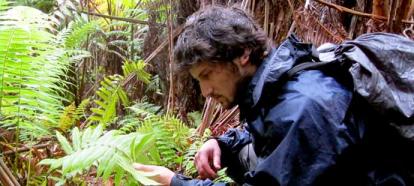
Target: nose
[206, 89]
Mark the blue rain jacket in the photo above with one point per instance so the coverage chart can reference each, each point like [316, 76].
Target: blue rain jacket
[311, 130]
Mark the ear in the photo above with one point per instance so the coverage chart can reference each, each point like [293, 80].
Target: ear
[245, 58]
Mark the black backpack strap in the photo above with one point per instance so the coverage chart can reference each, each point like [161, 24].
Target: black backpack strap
[315, 64]
[305, 66]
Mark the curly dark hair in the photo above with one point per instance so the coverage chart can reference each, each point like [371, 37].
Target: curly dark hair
[219, 34]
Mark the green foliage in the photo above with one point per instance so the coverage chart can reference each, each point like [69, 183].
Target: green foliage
[169, 132]
[110, 152]
[72, 114]
[44, 5]
[80, 111]
[31, 68]
[109, 94]
[222, 177]
[126, 37]
[170, 138]
[197, 142]
[4, 5]
[112, 91]
[67, 119]
[195, 118]
[137, 69]
[188, 164]
[77, 33]
[155, 85]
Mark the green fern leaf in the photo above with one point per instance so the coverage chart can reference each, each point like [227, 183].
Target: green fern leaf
[138, 69]
[112, 153]
[30, 71]
[64, 143]
[110, 93]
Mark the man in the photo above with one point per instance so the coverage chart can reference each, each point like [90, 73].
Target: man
[308, 129]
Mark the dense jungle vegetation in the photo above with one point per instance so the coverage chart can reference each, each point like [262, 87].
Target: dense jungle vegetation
[87, 87]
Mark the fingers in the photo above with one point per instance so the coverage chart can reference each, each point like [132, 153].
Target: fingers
[203, 166]
[142, 167]
[207, 160]
[161, 175]
[217, 159]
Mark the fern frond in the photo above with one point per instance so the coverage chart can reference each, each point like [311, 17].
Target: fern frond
[189, 156]
[110, 93]
[76, 33]
[155, 85]
[4, 5]
[67, 119]
[137, 68]
[110, 152]
[144, 109]
[31, 68]
[170, 138]
[80, 111]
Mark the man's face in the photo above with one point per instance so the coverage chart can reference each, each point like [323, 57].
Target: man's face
[217, 80]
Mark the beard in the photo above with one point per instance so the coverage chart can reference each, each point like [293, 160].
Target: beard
[242, 90]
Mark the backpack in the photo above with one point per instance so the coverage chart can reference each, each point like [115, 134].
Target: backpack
[380, 67]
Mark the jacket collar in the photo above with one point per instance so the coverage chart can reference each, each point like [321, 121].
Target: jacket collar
[279, 61]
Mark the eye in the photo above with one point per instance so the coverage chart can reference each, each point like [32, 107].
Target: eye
[205, 75]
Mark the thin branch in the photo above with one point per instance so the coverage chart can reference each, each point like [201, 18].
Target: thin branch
[6, 174]
[362, 14]
[23, 149]
[291, 6]
[266, 17]
[170, 105]
[130, 20]
[4, 177]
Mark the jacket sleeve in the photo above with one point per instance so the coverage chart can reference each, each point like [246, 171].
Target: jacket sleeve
[180, 180]
[303, 134]
[232, 142]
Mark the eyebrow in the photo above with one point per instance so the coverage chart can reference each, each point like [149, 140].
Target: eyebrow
[201, 72]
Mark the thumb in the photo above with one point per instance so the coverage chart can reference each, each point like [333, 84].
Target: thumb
[217, 159]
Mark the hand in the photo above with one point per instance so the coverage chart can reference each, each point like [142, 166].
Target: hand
[163, 177]
[207, 159]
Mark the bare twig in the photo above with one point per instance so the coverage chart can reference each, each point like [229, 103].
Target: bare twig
[292, 28]
[391, 15]
[362, 14]
[23, 149]
[266, 17]
[170, 105]
[6, 175]
[411, 11]
[130, 20]
[206, 115]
